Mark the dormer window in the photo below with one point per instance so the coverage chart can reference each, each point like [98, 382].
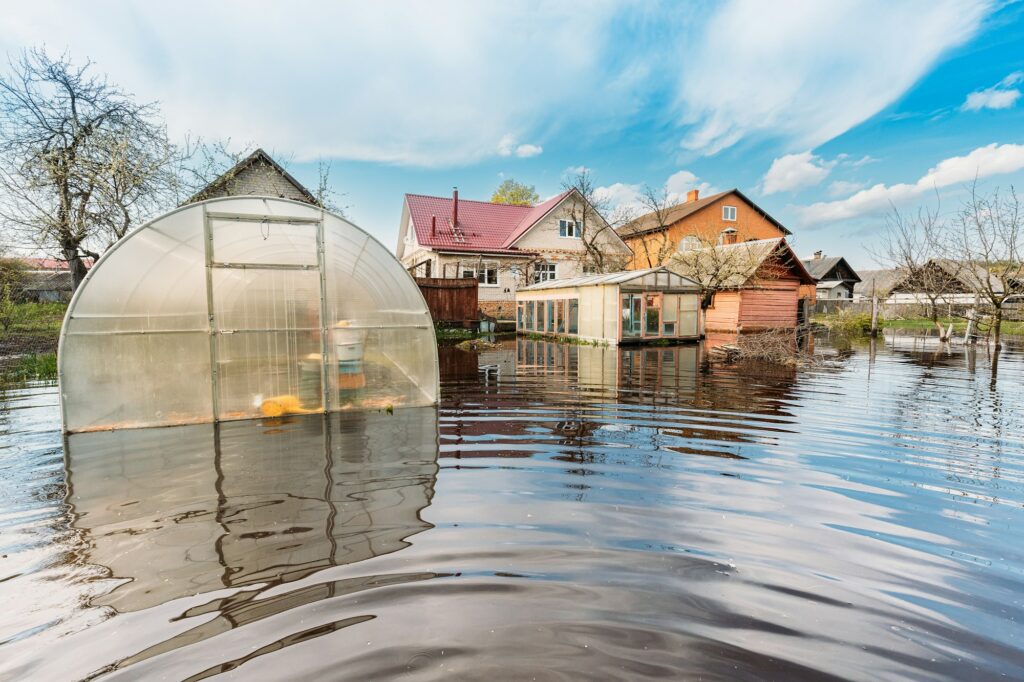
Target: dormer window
[729, 213]
[569, 229]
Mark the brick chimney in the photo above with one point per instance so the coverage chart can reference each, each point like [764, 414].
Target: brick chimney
[817, 255]
[433, 225]
[692, 195]
[455, 206]
[730, 236]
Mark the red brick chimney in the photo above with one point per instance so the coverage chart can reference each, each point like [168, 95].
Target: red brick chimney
[692, 195]
[455, 206]
[433, 225]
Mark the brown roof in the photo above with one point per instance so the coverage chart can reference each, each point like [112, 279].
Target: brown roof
[648, 223]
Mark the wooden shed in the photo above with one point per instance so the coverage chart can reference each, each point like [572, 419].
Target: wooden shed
[756, 285]
[619, 307]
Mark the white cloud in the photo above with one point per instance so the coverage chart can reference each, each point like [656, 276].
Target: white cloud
[413, 84]
[525, 151]
[795, 172]
[681, 182]
[999, 96]
[840, 187]
[826, 67]
[625, 199]
[993, 159]
[507, 146]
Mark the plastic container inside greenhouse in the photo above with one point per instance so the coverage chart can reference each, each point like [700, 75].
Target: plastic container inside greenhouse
[240, 308]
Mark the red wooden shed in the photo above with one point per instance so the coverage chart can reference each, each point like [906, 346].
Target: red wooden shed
[756, 285]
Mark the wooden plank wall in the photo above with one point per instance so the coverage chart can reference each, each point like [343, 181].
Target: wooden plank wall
[724, 315]
[770, 308]
[450, 300]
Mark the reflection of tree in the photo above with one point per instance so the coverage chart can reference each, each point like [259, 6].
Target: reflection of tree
[181, 510]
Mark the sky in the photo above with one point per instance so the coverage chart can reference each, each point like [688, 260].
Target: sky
[827, 114]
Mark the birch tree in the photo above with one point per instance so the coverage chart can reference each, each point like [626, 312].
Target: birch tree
[596, 234]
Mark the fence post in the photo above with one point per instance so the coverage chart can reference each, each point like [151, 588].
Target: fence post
[874, 312]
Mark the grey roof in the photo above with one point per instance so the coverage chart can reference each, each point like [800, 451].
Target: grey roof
[258, 156]
[47, 280]
[611, 278]
[819, 267]
[745, 257]
[883, 280]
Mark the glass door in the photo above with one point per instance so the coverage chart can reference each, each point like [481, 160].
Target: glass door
[652, 314]
[632, 315]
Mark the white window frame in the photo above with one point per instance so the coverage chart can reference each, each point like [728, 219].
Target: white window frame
[728, 211]
[478, 269]
[549, 272]
[569, 229]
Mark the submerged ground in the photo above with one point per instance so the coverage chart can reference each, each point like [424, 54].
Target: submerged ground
[568, 512]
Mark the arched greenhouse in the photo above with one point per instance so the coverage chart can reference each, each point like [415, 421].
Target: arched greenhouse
[243, 307]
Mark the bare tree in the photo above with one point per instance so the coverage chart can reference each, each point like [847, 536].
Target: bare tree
[917, 246]
[596, 234]
[80, 160]
[988, 239]
[648, 234]
[722, 267]
[325, 193]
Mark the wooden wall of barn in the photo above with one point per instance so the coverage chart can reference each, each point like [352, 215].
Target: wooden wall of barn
[451, 301]
[724, 313]
[772, 307]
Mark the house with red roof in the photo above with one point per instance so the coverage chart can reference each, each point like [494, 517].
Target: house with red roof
[504, 246]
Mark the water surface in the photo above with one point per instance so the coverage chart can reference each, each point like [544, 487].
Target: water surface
[567, 513]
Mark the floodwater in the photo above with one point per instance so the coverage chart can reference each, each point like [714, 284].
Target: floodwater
[567, 513]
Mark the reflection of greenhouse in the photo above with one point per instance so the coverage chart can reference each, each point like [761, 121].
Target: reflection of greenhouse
[243, 307]
[191, 509]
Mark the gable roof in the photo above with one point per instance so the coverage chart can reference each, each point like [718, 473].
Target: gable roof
[747, 257]
[648, 223]
[821, 267]
[882, 281]
[258, 156]
[483, 226]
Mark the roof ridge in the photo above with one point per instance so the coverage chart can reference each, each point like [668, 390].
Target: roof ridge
[473, 201]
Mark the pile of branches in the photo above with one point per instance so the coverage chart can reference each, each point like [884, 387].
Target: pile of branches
[779, 346]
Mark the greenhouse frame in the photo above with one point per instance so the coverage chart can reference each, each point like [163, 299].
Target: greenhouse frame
[238, 308]
[620, 307]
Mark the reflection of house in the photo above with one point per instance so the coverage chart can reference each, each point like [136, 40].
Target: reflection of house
[502, 246]
[177, 511]
[757, 285]
[834, 275]
[619, 307]
[726, 217]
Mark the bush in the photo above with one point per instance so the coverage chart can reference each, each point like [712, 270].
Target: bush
[851, 324]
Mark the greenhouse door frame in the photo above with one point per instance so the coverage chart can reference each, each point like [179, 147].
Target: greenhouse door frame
[212, 264]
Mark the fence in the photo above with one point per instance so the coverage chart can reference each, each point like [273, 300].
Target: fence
[451, 301]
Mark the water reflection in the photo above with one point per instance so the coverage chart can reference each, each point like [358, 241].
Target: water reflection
[176, 511]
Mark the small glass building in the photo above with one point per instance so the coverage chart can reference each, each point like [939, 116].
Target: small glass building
[243, 307]
[613, 308]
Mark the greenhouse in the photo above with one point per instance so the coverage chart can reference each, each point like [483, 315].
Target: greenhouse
[238, 308]
[618, 307]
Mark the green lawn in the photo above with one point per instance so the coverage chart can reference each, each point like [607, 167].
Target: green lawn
[923, 323]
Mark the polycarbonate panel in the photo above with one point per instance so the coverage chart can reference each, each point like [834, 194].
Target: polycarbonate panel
[266, 299]
[249, 241]
[268, 374]
[123, 362]
[133, 380]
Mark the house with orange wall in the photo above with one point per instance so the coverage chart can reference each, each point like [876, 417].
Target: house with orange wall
[761, 290]
[726, 217]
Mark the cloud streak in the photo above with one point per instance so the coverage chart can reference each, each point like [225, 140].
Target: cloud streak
[993, 159]
[794, 172]
[999, 96]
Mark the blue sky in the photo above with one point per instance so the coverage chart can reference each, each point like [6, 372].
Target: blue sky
[825, 113]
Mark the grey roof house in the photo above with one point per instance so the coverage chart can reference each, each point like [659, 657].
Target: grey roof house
[835, 278]
[258, 175]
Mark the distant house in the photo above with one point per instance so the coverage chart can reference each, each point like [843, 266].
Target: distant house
[875, 282]
[47, 280]
[505, 247]
[723, 218]
[896, 286]
[835, 278]
[257, 175]
[757, 284]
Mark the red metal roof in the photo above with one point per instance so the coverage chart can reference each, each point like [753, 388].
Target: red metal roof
[51, 263]
[483, 226]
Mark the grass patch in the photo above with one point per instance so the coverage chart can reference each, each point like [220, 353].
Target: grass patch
[40, 367]
[35, 317]
[834, 321]
[571, 340]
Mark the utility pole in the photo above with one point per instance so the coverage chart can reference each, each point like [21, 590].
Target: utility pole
[874, 311]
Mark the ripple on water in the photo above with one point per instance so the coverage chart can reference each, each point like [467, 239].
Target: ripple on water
[582, 512]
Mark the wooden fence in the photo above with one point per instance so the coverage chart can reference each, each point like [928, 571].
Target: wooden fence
[451, 301]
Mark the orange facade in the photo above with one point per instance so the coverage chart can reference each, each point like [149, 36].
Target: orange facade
[706, 223]
[767, 305]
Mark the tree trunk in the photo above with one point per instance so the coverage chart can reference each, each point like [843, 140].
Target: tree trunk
[997, 328]
[78, 270]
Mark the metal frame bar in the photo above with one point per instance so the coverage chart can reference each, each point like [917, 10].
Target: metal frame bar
[214, 354]
[324, 339]
[262, 266]
[265, 218]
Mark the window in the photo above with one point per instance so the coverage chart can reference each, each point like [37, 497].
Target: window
[549, 316]
[574, 316]
[528, 318]
[729, 213]
[689, 243]
[485, 272]
[560, 316]
[589, 269]
[569, 228]
[544, 272]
